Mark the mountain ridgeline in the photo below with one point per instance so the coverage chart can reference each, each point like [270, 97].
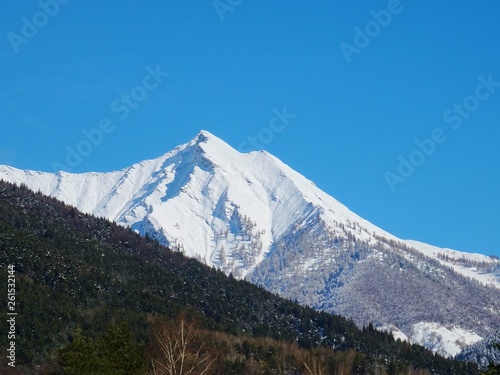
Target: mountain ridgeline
[79, 273]
[252, 216]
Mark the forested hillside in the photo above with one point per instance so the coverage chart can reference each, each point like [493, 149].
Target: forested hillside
[78, 276]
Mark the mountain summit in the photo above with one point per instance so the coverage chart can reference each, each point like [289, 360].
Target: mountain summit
[205, 198]
[251, 215]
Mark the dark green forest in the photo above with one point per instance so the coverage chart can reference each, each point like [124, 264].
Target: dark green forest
[87, 289]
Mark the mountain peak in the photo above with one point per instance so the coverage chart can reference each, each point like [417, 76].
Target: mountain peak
[208, 146]
[204, 136]
[251, 215]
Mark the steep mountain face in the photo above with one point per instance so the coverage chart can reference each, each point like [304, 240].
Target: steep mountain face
[254, 217]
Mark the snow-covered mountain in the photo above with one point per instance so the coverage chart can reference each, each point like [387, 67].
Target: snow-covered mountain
[253, 216]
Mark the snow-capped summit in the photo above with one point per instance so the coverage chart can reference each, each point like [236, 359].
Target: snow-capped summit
[251, 215]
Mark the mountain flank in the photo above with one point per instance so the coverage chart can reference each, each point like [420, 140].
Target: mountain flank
[255, 218]
[77, 276]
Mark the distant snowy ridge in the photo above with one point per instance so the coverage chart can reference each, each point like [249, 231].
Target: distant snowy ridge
[253, 216]
[482, 268]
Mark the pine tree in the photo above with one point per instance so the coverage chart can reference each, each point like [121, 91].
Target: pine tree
[493, 369]
[114, 353]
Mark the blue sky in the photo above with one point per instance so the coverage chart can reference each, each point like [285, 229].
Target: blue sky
[352, 85]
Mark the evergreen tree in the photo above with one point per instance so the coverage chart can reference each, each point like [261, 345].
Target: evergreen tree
[114, 353]
[493, 369]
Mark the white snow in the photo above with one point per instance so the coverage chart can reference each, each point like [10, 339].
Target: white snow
[211, 201]
[189, 195]
[435, 337]
[490, 279]
[442, 340]
[396, 332]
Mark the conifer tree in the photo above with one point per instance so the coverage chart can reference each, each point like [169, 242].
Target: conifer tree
[114, 353]
[493, 369]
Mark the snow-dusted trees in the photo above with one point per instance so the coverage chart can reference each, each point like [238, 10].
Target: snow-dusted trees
[381, 281]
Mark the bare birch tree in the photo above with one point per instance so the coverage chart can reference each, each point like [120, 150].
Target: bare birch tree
[179, 352]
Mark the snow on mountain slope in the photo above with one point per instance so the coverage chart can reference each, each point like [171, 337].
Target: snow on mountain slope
[212, 201]
[480, 267]
[445, 341]
[435, 337]
[203, 197]
[253, 216]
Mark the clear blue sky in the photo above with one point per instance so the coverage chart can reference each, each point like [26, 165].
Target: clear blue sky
[360, 101]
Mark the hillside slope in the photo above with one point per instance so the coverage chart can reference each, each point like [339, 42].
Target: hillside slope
[74, 270]
[252, 216]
